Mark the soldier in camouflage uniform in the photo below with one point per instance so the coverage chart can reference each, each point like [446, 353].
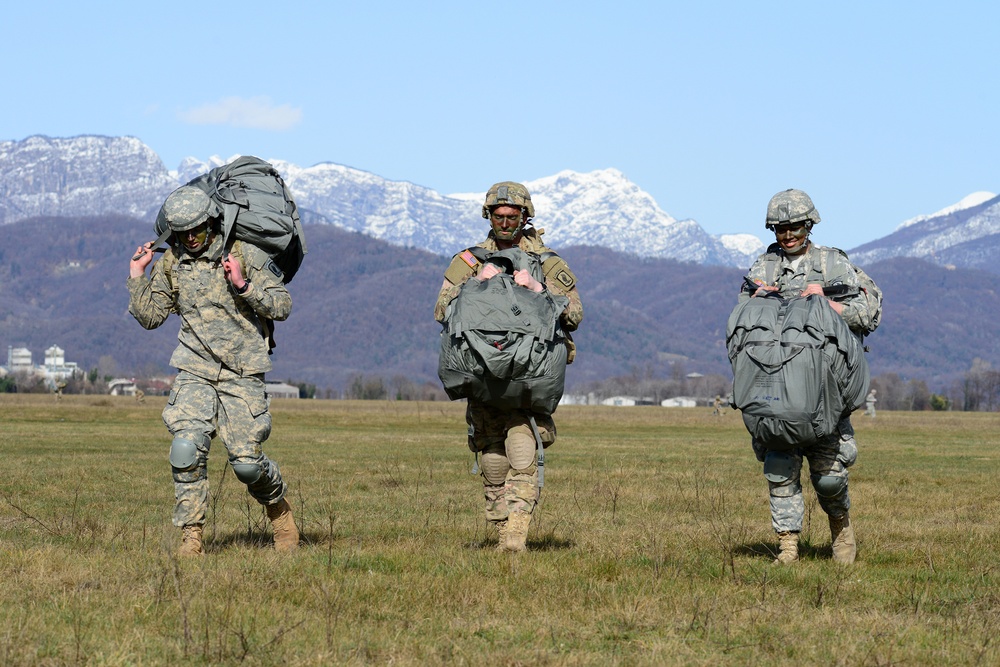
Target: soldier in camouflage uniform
[221, 358]
[870, 402]
[795, 265]
[504, 438]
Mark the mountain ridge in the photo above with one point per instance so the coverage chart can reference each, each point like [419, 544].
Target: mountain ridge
[91, 175]
[95, 175]
[62, 282]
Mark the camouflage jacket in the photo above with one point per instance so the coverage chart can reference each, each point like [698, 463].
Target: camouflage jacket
[219, 328]
[819, 264]
[558, 277]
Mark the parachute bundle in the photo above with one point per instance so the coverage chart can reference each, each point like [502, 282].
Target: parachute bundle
[797, 369]
[256, 207]
[502, 343]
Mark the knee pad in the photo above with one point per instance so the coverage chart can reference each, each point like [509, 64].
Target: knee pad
[779, 467]
[248, 473]
[848, 452]
[521, 448]
[494, 466]
[829, 486]
[184, 453]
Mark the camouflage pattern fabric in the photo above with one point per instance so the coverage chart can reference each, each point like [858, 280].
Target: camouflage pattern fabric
[829, 459]
[826, 266]
[510, 481]
[235, 407]
[509, 466]
[221, 355]
[790, 207]
[218, 327]
[186, 208]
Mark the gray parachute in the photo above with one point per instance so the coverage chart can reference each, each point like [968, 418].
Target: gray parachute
[256, 207]
[503, 344]
[797, 369]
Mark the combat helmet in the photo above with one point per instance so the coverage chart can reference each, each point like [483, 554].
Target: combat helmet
[187, 207]
[789, 207]
[508, 193]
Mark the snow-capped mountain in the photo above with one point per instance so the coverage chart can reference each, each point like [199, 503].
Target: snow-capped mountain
[966, 234]
[602, 208]
[975, 199]
[81, 176]
[84, 176]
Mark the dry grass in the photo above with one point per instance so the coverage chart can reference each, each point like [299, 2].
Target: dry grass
[652, 545]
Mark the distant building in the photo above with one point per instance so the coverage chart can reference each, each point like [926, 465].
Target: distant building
[620, 401]
[679, 402]
[55, 369]
[19, 360]
[122, 387]
[281, 390]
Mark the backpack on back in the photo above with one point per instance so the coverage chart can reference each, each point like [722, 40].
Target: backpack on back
[797, 369]
[502, 343]
[257, 208]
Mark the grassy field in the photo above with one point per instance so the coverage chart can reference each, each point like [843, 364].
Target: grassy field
[652, 545]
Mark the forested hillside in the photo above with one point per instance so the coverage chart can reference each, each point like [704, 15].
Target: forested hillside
[363, 308]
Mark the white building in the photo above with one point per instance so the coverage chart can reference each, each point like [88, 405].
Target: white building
[56, 367]
[122, 387]
[19, 360]
[679, 402]
[281, 390]
[620, 401]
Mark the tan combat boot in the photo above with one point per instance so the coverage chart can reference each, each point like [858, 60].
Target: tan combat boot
[516, 533]
[842, 536]
[501, 535]
[788, 548]
[286, 535]
[191, 541]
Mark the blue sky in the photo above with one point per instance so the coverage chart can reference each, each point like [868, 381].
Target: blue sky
[881, 111]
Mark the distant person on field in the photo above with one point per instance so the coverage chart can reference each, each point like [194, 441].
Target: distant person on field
[717, 405]
[505, 439]
[221, 358]
[795, 265]
[870, 401]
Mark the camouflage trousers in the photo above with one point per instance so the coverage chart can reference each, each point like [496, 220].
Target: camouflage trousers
[509, 456]
[235, 408]
[828, 464]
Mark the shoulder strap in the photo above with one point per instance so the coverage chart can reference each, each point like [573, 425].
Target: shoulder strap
[167, 266]
[828, 257]
[237, 252]
[772, 262]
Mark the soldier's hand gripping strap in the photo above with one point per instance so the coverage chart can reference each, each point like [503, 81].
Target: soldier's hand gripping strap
[155, 245]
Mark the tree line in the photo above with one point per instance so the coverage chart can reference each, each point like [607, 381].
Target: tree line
[978, 390]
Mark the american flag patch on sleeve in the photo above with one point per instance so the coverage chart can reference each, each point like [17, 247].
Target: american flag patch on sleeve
[469, 259]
